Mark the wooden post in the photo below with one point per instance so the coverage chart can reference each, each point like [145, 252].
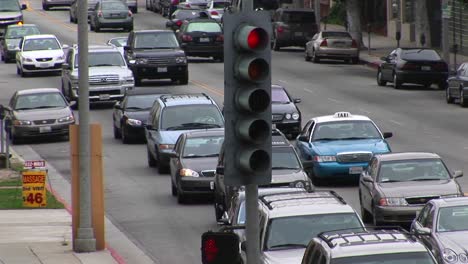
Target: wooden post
[75, 178]
[97, 186]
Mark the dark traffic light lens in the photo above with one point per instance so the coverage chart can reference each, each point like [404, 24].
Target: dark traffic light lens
[259, 130]
[258, 69]
[259, 160]
[257, 38]
[259, 100]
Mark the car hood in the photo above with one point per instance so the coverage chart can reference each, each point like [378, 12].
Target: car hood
[38, 114]
[336, 146]
[103, 70]
[170, 137]
[200, 164]
[10, 14]
[147, 53]
[42, 53]
[278, 108]
[290, 256]
[286, 176]
[456, 241]
[419, 188]
[138, 115]
[12, 43]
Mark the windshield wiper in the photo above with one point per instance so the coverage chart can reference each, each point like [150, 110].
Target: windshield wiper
[47, 106]
[24, 108]
[175, 128]
[201, 156]
[390, 181]
[166, 47]
[99, 65]
[318, 139]
[289, 246]
[426, 179]
[284, 168]
[353, 138]
[134, 107]
[196, 124]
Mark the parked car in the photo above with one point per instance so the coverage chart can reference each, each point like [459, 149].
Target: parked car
[193, 163]
[168, 7]
[38, 112]
[457, 86]
[285, 114]
[340, 146]
[422, 66]
[293, 27]
[178, 17]
[74, 9]
[332, 45]
[130, 116]
[191, 4]
[39, 53]
[442, 225]
[202, 38]
[48, 4]
[153, 5]
[215, 9]
[9, 42]
[111, 14]
[156, 54]
[396, 186]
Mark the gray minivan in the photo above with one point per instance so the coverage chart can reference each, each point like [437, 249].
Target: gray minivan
[10, 13]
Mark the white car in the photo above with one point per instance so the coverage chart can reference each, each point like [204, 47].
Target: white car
[39, 53]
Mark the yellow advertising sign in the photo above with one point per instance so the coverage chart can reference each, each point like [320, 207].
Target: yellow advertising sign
[34, 190]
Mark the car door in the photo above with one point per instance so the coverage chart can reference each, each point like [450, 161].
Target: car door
[303, 142]
[174, 162]
[66, 79]
[119, 112]
[462, 78]
[387, 66]
[367, 188]
[427, 219]
[150, 138]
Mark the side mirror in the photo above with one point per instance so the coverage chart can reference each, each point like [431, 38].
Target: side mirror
[387, 134]
[24, 6]
[72, 103]
[422, 231]
[243, 245]
[302, 138]
[65, 66]
[297, 100]
[169, 24]
[220, 170]
[451, 72]
[367, 178]
[457, 174]
[173, 154]
[127, 48]
[117, 106]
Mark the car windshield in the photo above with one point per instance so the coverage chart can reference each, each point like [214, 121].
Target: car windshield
[420, 54]
[392, 258]
[186, 14]
[21, 31]
[119, 42]
[157, 40]
[299, 17]
[97, 59]
[413, 170]
[186, 117]
[203, 146]
[284, 158]
[9, 6]
[117, 5]
[220, 4]
[452, 219]
[39, 100]
[279, 96]
[142, 101]
[336, 34]
[297, 231]
[343, 130]
[41, 44]
[210, 27]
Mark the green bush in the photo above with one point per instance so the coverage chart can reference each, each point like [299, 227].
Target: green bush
[337, 13]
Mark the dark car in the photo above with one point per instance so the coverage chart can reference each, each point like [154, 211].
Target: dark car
[74, 9]
[173, 115]
[178, 17]
[156, 54]
[413, 65]
[130, 115]
[442, 225]
[193, 163]
[111, 14]
[9, 42]
[47, 4]
[285, 114]
[38, 112]
[286, 169]
[168, 7]
[457, 86]
[293, 27]
[396, 186]
[202, 38]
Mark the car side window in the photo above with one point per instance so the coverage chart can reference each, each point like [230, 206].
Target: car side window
[69, 58]
[308, 254]
[262, 229]
[157, 116]
[306, 127]
[423, 216]
[178, 145]
[309, 131]
[373, 168]
[464, 71]
[430, 218]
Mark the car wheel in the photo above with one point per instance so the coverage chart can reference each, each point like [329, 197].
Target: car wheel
[23, 74]
[375, 222]
[365, 215]
[463, 102]
[396, 82]
[307, 57]
[173, 189]
[315, 58]
[130, 28]
[97, 28]
[147, 5]
[14, 139]
[125, 138]
[380, 82]
[219, 209]
[276, 46]
[117, 134]
[448, 97]
[218, 58]
[151, 161]
[45, 7]
[137, 81]
[91, 27]
[184, 80]
[181, 198]
[427, 85]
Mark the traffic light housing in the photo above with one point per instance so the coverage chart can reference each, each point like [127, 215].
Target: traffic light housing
[220, 248]
[247, 98]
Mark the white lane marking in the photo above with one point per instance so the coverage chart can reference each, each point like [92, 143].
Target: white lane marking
[281, 81]
[309, 90]
[396, 122]
[334, 100]
[363, 110]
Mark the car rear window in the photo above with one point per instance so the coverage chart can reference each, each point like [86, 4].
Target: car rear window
[113, 6]
[18, 32]
[185, 14]
[203, 146]
[299, 17]
[41, 44]
[176, 117]
[39, 100]
[220, 4]
[143, 101]
[420, 54]
[211, 27]
[336, 35]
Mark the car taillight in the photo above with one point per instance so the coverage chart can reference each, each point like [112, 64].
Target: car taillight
[220, 38]
[130, 13]
[324, 43]
[354, 44]
[187, 38]
[99, 14]
[178, 23]
[441, 66]
[279, 29]
[409, 66]
[187, 5]
[214, 13]
[175, 2]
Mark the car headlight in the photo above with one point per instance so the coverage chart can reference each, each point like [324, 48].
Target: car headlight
[324, 158]
[166, 146]
[27, 60]
[393, 201]
[181, 59]
[288, 116]
[295, 116]
[131, 61]
[449, 255]
[188, 173]
[67, 119]
[22, 122]
[463, 258]
[134, 122]
[127, 79]
[141, 61]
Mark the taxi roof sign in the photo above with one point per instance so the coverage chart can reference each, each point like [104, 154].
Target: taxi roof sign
[31, 164]
[342, 114]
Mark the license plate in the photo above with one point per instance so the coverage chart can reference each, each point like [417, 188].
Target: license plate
[45, 129]
[298, 34]
[355, 170]
[204, 39]
[162, 69]
[426, 68]
[44, 65]
[104, 97]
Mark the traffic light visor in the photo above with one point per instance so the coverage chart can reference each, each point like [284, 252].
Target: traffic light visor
[252, 38]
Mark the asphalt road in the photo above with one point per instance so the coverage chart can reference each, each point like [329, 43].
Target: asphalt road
[138, 199]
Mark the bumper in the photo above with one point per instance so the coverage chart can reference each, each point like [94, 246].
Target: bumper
[159, 72]
[46, 67]
[293, 38]
[58, 2]
[195, 185]
[335, 170]
[203, 51]
[115, 23]
[34, 131]
[289, 127]
[337, 53]
[396, 214]
[5, 23]
[107, 93]
[422, 77]
[134, 132]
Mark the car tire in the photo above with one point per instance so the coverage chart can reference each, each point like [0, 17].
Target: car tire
[117, 134]
[355, 60]
[380, 82]
[184, 80]
[307, 57]
[45, 7]
[276, 46]
[14, 139]
[97, 28]
[365, 215]
[427, 85]
[147, 5]
[124, 135]
[463, 102]
[375, 222]
[23, 74]
[396, 82]
[129, 28]
[151, 161]
[173, 189]
[219, 209]
[181, 197]
[315, 58]
[91, 27]
[135, 10]
[448, 97]
[137, 81]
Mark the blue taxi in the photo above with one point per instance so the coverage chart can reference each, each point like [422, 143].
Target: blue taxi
[340, 146]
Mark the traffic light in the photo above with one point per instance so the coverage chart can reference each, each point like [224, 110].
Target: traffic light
[247, 98]
[220, 248]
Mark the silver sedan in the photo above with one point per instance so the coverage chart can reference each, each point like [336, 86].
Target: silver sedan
[337, 45]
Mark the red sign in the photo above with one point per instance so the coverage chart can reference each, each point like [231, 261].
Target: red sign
[34, 163]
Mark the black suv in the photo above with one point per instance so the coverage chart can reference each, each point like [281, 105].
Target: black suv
[156, 54]
[286, 169]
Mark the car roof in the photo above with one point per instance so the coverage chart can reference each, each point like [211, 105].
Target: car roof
[205, 133]
[186, 99]
[22, 25]
[99, 48]
[448, 202]
[340, 116]
[202, 20]
[38, 90]
[277, 86]
[152, 31]
[142, 92]
[39, 36]
[271, 190]
[406, 156]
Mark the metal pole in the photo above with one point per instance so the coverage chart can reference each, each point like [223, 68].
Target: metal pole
[85, 241]
[247, 5]
[368, 38]
[7, 150]
[318, 17]
[252, 227]
[2, 141]
[445, 31]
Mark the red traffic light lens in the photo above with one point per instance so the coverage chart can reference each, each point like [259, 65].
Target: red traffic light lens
[211, 250]
[252, 38]
[258, 69]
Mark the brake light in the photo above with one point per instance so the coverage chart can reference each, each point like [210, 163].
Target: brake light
[187, 5]
[178, 23]
[409, 66]
[187, 38]
[279, 29]
[383, 202]
[130, 13]
[441, 66]
[175, 2]
[220, 38]
[354, 44]
[99, 14]
[324, 43]
[214, 13]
